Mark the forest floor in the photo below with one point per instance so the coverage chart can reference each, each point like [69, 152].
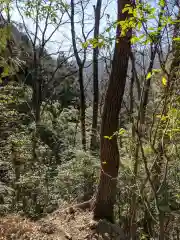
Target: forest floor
[72, 224]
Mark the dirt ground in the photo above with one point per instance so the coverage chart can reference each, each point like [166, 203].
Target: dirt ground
[72, 224]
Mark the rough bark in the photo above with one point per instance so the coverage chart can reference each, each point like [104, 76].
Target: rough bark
[97, 11]
[82, 109]
[109, 154]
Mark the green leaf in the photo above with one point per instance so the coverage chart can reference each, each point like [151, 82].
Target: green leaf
[176, 39]
[139, 25]
[134, 40]
[107, 137]
[85, 45]
[156, 70]
[147, 41]
[151, 29]
[164, 81]
[162, 3]
[108, 29]
[148, 75]
[5, 72]
[127, 8]
[121, 131]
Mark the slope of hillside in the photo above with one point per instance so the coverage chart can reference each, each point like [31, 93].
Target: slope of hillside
[70, 223]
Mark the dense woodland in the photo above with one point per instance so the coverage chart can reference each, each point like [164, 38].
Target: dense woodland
[91, 119]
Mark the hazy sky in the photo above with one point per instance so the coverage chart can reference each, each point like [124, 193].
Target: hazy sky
[62, 37]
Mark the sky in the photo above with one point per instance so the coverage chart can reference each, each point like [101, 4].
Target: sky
[62, 37]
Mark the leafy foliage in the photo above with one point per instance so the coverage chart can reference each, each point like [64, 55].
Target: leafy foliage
[42, 163]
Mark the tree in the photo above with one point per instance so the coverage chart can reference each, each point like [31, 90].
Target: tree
[97, 12]
[80, 62]
[42, 14]
[109, 153]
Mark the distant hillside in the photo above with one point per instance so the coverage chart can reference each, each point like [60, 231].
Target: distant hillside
[103, 76]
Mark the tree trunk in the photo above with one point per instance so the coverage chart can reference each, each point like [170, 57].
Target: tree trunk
[80, 64]
[147, 87]
[109, 154]
[37, 88]
[93, 144]
[82, 109]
